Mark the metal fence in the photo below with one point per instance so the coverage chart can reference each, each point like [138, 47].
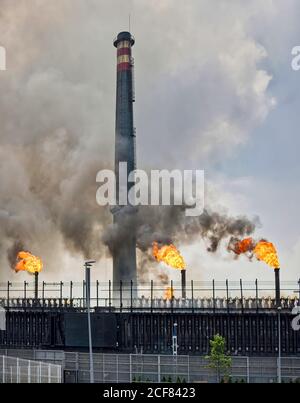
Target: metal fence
[198, 295]
[110, 368]
[16, 370]
[135, 368]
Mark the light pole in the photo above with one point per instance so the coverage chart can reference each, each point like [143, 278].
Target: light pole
[279, 345]
[88, 266]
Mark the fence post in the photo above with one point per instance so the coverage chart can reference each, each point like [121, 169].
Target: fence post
[158, 369]
[61, 290]
[227, 295]
[18, 371]
[83, 294]
[131, 295]
[3, 368]
[130, 368]
[25, 286]
[71, 290]
[97, 292]
[248, 370]
[8, 286]
[29, 372]
[256, 293]
[214, 296]
[121, 295]
[109, 294]
[117, 355]
[151, 307]
[43, 290]
[192, 285]
[40, 373]
[242, 295]
[172, 295]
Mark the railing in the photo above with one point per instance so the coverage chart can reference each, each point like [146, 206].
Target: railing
[127, 296]
[16, 370]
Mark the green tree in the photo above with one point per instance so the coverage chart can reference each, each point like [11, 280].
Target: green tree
[219, 361]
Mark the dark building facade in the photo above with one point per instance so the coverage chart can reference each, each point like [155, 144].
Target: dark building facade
[250, 333]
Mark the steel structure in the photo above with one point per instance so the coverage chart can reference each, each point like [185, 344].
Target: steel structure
[250, 326]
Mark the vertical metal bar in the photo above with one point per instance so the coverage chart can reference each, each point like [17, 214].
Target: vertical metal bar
[242, 295]
[40, 373]
[71, 290]
[83, 289]
[18, 371]
[88, 290]
[8, 285]
[3, 370]
[29, 372]
[61, 290]
[227, 294]
[121, 295]
[183, 284]
[279, 345]
[151, 296]
[248, 369]
[214, 296]
[158, 369]
[43, 290]
[97, 292]
[172, 295]
[256, 292]
[36, 285]
[109, 294]
[277, 287]
[192, 287]
[117, 362]
[25, 286]
[131, 295]
[130, 368]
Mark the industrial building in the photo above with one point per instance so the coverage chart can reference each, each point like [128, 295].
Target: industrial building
[122, 321]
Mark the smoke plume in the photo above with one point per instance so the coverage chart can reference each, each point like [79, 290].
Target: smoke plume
[57, 117]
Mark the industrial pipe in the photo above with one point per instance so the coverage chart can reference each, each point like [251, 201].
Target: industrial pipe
[36, 285]
[183, 284]
[277, 287]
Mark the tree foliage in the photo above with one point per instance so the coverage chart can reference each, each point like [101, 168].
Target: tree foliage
[218, 359]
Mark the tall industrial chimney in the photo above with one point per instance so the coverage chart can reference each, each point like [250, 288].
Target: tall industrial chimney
[124, 254]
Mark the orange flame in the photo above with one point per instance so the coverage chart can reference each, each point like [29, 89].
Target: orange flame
[266, 252]
[263, 250]
[169, 293]
[244, 246]
[169, 255]
[28, 262]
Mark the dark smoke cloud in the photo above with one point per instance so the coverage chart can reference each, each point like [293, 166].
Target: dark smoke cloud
[57, 118]
[13, 251]
[168, 225]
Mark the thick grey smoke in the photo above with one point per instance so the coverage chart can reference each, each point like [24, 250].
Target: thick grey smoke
[13, 251]
[57, 115]
[168, 225]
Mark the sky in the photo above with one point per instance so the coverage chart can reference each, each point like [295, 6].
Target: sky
[214, 90]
